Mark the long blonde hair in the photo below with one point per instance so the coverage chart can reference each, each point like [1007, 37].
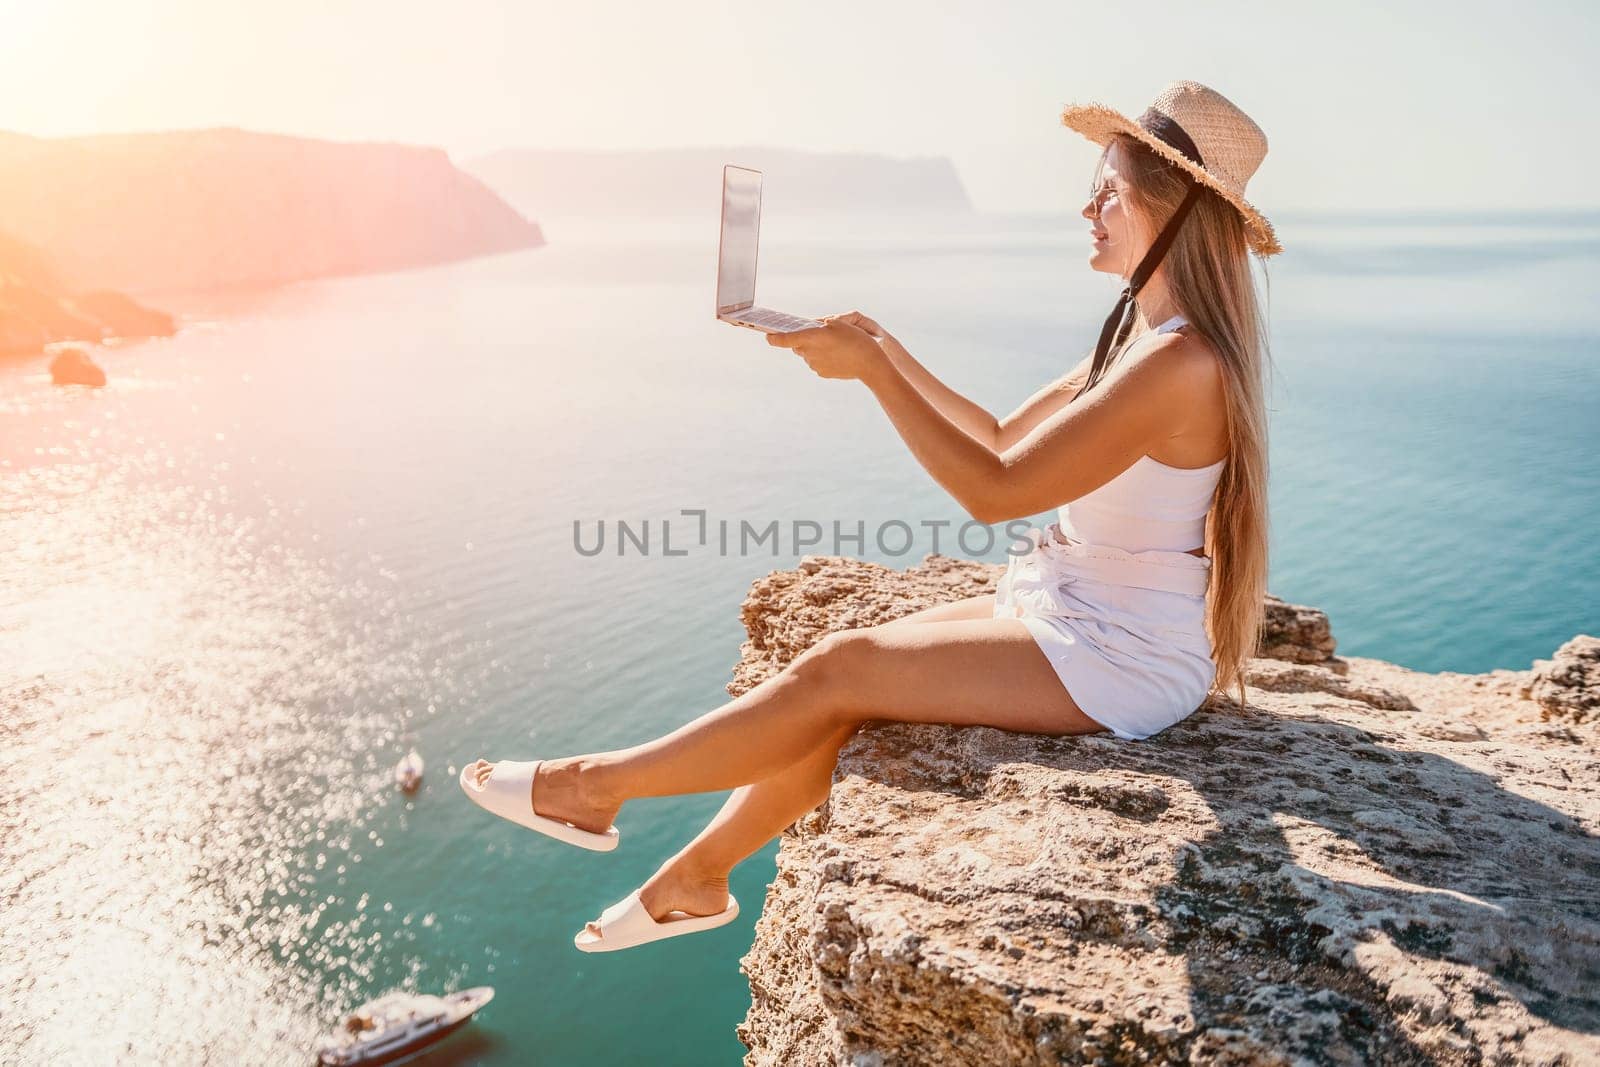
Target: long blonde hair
[1208, 275]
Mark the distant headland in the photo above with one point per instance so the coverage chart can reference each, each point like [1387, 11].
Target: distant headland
[687, 181]
[200, 209]
[86, 219]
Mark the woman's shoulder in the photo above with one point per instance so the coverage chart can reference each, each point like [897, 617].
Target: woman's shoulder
[1185, 351]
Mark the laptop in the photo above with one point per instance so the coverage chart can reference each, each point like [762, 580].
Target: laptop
[736, 257]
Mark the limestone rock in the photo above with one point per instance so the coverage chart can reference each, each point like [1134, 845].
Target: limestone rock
[1365, 864]
[1568, 685]
[1296, 633]
[72, 366]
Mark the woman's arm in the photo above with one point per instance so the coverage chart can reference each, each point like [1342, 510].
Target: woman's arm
[998, 434]
[1072, 451]
[960, 463]
[1041, 405]
[973, 419]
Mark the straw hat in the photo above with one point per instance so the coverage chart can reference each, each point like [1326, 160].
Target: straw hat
[1200, 130]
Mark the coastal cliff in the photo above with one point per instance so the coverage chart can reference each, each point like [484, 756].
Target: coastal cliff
[687, 182]
[1365, 864]
[201, 209]
[37, 309]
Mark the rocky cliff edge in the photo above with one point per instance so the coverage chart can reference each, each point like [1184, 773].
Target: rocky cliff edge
[1365, 864]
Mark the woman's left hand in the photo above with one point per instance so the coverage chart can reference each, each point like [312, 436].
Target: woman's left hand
[834, 349]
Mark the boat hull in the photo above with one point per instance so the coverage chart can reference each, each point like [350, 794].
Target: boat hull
[471, 1002]
[413, 1048]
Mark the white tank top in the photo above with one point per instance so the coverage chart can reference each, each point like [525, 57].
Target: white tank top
[1148, 506]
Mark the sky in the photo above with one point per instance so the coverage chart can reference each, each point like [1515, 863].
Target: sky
[1366, 106]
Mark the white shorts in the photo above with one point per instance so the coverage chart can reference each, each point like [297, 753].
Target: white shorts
[1125, 631]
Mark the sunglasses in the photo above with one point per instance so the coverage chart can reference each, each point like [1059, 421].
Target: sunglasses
[1098, 195]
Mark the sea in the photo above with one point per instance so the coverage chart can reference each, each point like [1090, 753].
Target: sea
[510, 507]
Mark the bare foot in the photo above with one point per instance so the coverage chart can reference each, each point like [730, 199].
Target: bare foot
[562, 789]
[679, 887]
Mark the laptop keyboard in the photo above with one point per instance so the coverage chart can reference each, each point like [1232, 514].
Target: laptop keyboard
[778, 320]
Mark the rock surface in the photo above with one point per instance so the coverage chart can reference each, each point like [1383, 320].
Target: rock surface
[72, 366]
[1567, 686]
[1365, 864]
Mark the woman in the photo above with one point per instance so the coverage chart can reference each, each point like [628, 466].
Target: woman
[1145, 596]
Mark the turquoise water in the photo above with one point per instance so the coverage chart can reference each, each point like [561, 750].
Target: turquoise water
[330, 522]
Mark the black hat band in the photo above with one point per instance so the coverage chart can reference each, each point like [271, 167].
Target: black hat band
[1165, 129]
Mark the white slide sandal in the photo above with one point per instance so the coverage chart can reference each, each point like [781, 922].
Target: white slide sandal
[509, 794]
[626, 924]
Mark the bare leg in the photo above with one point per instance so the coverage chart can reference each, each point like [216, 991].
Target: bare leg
[696, 879]
[756, 813]
[963, 672]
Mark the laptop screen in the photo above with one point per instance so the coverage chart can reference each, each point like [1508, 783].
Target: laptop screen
[741, 225]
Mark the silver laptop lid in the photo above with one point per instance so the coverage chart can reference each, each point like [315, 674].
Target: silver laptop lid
[741, 229]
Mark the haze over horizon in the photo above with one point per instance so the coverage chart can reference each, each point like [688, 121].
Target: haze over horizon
[1444, 107]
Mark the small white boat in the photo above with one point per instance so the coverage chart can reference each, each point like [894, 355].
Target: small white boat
[408, 772]
[399, 1025]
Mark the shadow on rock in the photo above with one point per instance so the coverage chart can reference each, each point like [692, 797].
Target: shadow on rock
[1337, 856]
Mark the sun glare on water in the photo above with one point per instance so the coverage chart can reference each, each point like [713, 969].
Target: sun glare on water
[194, 720]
